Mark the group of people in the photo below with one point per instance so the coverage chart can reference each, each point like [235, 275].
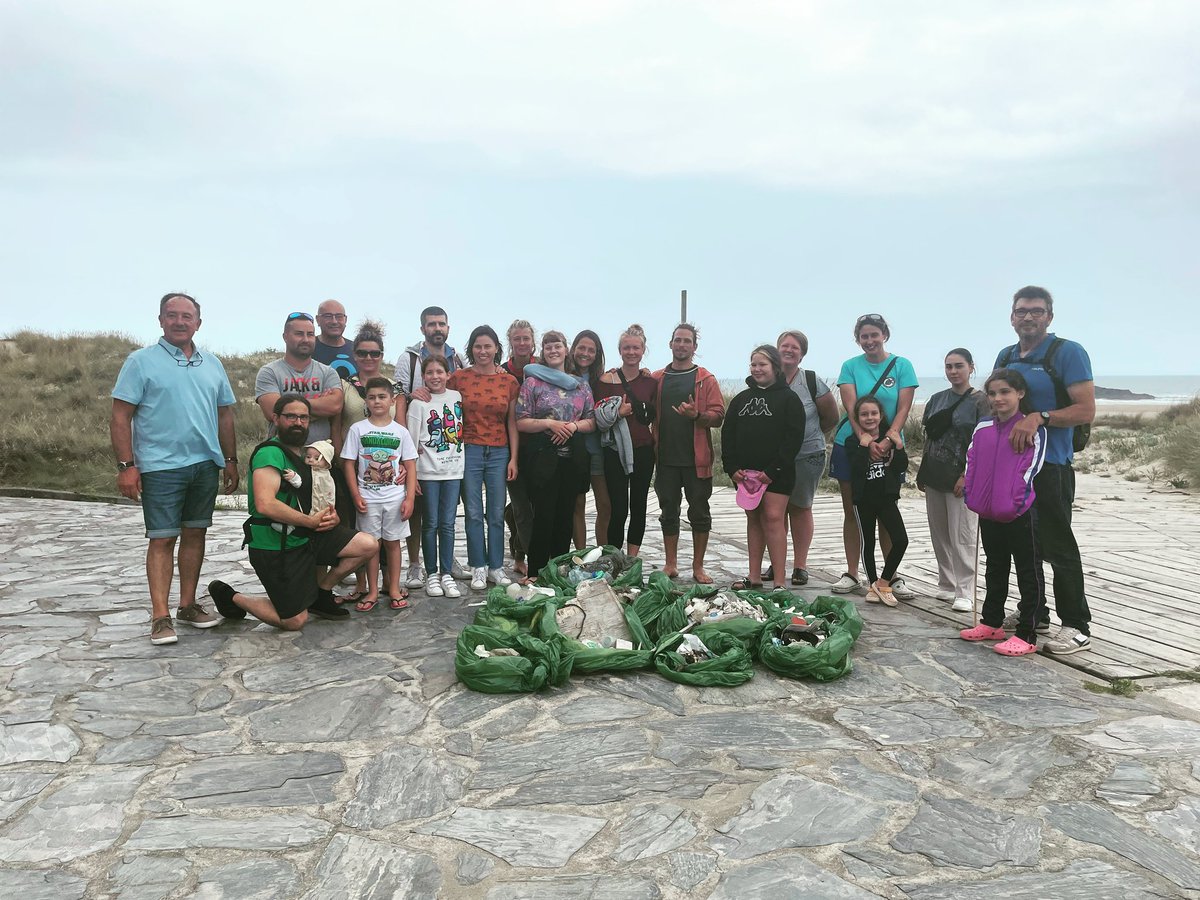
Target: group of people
[358, 466]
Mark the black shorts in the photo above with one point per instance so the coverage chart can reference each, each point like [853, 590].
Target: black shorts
[290, 576]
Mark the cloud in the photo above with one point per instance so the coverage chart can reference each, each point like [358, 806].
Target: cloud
[864, 96]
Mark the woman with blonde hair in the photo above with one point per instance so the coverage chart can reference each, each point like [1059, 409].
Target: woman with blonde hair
[628, 443]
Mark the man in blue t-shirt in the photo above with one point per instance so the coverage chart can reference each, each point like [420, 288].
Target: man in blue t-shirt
[1060, 411]
[173, 436]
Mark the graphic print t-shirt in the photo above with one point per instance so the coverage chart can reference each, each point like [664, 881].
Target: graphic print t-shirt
[380, 451]
[277, 377]
[437, 429]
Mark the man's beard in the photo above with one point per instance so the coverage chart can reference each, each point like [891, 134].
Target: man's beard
[293, 435]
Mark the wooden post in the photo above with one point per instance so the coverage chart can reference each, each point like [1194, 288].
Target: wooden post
[683, 306]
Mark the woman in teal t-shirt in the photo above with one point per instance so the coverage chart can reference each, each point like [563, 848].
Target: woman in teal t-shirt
[894, 383]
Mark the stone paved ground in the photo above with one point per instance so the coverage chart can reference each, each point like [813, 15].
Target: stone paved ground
[346, 762]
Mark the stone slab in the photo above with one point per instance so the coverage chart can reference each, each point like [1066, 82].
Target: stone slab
[590, 787]
[507, 761]
[590, 710]
[960, 833]
[279, 779]
[895, 724]
[1084, 879]
[338, 713]
[1130, 784]
[574, 887]
[37, 742]
[519, 837]
[365, 869]
[42, 884]
[1093, 824]
[1180, 824]
[652, 829]
[689, 868]
[271, 832]
[78, 819]
[788, 877]
[311, 669]
[16, 788]
[472, 868]
[697, 737]
[265, 878]
[797, 811]
[403, 783]
[1002, 767]
[1148, 736]
[1044, 712]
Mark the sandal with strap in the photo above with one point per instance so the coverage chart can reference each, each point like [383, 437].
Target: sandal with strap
[349, 598]
[745, 584]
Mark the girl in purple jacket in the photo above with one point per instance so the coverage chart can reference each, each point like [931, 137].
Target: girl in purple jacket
[998, 485]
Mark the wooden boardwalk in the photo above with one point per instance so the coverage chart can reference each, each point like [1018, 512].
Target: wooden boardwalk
[1140, 549]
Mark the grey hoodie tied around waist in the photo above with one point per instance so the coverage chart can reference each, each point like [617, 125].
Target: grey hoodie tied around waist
[614, 430]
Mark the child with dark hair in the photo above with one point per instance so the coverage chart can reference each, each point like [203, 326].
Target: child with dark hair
[875, 486]
[998, 485]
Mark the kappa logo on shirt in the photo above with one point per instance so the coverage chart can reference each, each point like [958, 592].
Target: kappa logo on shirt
[756, 407]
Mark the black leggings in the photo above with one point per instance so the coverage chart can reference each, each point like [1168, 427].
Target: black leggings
[1014, 545]
[627, 494]
[887, 514]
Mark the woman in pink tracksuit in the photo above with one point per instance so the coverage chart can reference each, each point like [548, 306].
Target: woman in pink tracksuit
[998, 485]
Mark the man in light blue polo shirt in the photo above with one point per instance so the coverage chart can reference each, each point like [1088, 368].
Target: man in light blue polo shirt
[172, 433]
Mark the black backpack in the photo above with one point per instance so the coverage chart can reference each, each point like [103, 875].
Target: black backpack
[1081, 434]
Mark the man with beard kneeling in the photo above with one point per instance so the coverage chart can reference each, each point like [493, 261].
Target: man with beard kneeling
[288, 539]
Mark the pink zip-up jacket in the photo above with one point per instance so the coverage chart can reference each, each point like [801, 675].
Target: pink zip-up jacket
[998, 482]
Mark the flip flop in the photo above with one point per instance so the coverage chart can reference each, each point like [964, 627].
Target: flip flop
[366, 605]
[350, 598]
[399, 602]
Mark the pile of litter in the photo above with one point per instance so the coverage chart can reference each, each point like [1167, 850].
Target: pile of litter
[527, 637]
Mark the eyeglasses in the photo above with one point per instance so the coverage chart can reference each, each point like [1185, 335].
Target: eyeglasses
[875, 318]
[298, 315]
[295, 417]
[182, 361]
[341, 317]
[373, 354]
[1037, 313]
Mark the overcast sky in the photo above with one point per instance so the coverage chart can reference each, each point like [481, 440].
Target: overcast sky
[792, 164]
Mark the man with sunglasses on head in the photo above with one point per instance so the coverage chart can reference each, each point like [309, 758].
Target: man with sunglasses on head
[1063, 394]
[173, 436]
[331, 347]
[299, 373]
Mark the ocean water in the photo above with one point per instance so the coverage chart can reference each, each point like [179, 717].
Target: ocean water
[1165, 388]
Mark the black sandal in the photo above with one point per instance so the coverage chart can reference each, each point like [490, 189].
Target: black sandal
[745, 584]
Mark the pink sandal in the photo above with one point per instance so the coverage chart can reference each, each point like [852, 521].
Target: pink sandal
[1014, 646]
[982, 632]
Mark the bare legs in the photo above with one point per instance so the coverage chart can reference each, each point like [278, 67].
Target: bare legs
[160, 569]
[766, 529]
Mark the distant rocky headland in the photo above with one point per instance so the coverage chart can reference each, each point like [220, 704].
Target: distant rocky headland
[1103, 393]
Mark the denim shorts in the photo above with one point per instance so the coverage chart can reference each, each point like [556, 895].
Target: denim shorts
[808, 475]
[173, 499]
[839, 463]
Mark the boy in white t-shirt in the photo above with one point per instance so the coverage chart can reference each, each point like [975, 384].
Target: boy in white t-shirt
[372, 455]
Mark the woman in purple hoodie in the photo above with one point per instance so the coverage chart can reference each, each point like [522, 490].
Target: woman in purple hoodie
[998, 485]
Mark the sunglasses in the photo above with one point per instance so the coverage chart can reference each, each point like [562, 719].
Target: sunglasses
[870, 317]
[298, 315]
[373, 354]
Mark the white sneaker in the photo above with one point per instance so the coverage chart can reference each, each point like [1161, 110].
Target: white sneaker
[944, 595]
[433, 586]
[962, 604]
[902, 590]
[845, 584]
[416, 576]
[459, 571]
[449, 587]
[1068, 640]
[478, 578]
[497, 576]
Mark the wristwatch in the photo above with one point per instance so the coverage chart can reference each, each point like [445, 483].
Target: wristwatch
[122, 465]
[1045, 417]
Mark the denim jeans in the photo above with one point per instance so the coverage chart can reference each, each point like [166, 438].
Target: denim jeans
[437, 528]
[486, 467]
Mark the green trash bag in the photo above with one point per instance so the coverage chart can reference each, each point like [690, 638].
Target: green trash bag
[531, 616]
[731, 666]
[746, 630]
[587, 660]
[549, 576]
[541, 662]
[658, 608]
[826, 661]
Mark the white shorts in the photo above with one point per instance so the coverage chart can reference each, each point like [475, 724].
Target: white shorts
[382, 520]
